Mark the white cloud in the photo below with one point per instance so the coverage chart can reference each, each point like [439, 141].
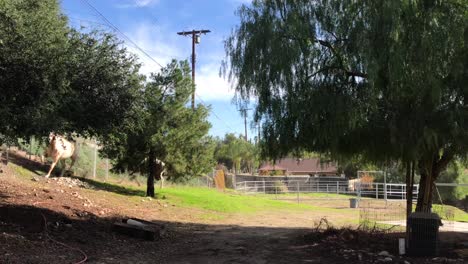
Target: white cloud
[137, 3]
[210, 86]
[141, 3]
[163, 45]
[148, 38]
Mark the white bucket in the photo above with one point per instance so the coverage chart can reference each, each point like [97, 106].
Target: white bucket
[401, 246]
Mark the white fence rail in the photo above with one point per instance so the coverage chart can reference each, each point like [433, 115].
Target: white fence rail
[388, 191]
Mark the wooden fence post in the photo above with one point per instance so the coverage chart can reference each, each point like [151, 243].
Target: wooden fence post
[95, 159]
[297, 191]
[107, 169]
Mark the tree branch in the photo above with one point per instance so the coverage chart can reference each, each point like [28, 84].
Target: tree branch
[336, 69]
[330, 46]
[442, 163]
[333, 50]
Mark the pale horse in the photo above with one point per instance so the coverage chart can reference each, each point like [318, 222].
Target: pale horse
[160, 170]
[59, 149]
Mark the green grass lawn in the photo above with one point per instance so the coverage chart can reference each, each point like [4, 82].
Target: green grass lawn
[227, 202]
[460, 215]
[449, 212]
[20, 171]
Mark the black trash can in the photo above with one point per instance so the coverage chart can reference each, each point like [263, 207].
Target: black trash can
[353, 203]
[423, 234]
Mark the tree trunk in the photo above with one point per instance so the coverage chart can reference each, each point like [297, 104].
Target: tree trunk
[409, 195]
[409, 189]
[426, 168]
[151, 174]
[430, 169]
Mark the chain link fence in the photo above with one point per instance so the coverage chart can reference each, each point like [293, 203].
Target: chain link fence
[90, 165]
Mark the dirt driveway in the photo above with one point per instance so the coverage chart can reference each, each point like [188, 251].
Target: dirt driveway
[260, 245]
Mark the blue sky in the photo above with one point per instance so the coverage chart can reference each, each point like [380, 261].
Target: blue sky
[153, 26]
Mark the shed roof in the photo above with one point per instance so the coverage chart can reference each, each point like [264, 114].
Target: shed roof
[292, 165]
[268, 167]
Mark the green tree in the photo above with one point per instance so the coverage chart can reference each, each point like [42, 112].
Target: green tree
[236, 153]
[455, 173]
[161, 126]
[33, 44]
[55, 78]
[199, 157]
[350, 167]
[102, 82]
[385, 80]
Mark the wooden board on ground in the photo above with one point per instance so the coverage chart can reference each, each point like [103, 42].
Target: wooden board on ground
[139, 228]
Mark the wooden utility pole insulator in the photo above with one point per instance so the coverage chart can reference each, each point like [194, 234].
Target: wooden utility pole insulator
[195, 40]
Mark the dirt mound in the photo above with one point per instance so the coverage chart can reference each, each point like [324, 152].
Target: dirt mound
[65, 181]
[70, 182]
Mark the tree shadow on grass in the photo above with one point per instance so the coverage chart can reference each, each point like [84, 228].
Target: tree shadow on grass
[112, 187]
[35, 167]
[40, 169]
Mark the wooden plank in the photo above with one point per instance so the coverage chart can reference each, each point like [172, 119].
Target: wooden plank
[149, 232]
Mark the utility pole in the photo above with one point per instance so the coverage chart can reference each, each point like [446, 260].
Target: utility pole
[195, 40]
[258, 126]
[244, 113]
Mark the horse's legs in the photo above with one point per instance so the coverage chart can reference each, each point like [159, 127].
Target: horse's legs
[73, 159]
[161, 183]
[64, 167]
[43, 156]
[52, 166]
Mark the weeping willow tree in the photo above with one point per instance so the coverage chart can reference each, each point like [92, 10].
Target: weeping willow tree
[385, 80]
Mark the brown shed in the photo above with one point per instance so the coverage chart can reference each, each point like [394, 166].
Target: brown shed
[293, 166]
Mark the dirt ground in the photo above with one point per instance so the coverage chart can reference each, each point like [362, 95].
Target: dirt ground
[62, 221]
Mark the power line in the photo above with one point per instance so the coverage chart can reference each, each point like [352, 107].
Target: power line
[120, 32]
[225, 123]
[78, 11]
[88, 21]
[145, 53]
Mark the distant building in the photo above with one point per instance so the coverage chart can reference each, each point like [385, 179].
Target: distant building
[293, 166]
